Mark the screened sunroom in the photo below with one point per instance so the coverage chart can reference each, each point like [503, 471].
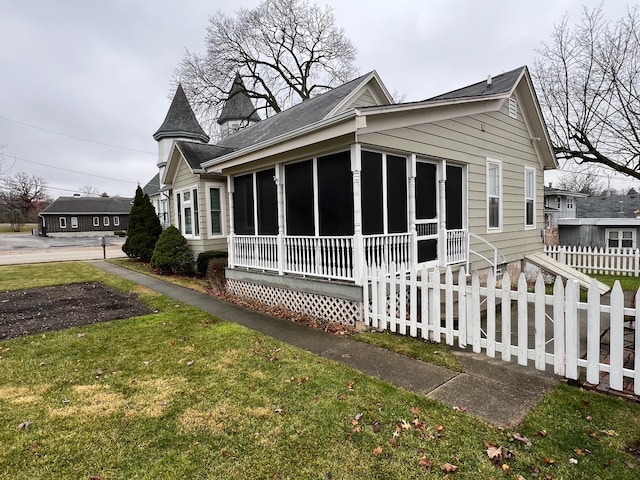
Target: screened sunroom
[335, 215]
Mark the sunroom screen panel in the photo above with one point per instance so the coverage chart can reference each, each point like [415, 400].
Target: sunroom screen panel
[396, 194]
[299, 198]
[267, 202]
[371, 185]
[243, 205]
[335, 195]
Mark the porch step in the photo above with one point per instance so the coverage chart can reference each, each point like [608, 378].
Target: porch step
[566, 272]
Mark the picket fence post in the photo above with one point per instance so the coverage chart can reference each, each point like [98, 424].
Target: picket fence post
[559, 321]
[506, 317]
[593, 334]
[540, 337]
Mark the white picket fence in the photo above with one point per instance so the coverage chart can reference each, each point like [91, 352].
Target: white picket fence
[557, 329]
[591, 260]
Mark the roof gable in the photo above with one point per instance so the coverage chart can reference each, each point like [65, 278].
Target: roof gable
[180, 121]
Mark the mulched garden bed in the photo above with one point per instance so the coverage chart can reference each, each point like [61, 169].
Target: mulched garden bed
[37, 310]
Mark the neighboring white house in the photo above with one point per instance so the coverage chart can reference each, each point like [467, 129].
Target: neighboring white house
[307, 199]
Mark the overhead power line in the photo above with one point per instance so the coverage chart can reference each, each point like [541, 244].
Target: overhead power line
[75, 137]
[71, 171]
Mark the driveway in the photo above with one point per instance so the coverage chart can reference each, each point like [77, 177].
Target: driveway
[18, 248]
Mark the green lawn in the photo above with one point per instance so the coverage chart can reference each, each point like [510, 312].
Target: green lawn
[181, 394]
[27, 227]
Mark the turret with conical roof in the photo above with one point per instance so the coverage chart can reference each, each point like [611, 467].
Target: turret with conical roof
[179, 124]
[238, 111]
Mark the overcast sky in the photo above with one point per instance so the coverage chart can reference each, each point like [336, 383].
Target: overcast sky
[85, 84]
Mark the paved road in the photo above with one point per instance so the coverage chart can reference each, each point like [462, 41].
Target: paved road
[18, 248]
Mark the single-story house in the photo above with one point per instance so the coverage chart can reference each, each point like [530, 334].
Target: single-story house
[609, 220]
[94, 215]
[308, 199]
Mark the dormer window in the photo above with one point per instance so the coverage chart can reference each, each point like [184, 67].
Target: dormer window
[513, 107]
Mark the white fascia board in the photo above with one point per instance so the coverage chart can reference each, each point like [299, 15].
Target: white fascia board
[601, 222]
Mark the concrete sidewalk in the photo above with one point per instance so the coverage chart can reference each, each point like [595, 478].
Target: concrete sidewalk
[498, 392]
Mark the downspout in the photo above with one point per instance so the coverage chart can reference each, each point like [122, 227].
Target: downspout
[44, 225]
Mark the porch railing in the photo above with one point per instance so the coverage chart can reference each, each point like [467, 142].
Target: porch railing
[334, 257]
[330, 257]
[382, 250]
[253, 251]
[457, 246]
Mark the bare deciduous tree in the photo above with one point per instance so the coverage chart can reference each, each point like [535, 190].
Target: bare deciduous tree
[586, 179]
[588, 78]
[286, 51]
[90, 191]
[25, 193]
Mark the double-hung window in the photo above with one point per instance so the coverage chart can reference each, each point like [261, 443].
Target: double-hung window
[620, 238]
[74, 222]
[494, 194]
[215, 209]
[63, 222]
[96, 221]
[187, 210]
[529, 197]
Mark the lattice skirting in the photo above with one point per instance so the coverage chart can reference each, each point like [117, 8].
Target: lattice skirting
[331, 309]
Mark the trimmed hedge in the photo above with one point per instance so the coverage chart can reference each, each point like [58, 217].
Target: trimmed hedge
[203, 260]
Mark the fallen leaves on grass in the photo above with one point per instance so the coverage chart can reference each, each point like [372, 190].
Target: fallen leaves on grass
[520, 438]
[448, 467]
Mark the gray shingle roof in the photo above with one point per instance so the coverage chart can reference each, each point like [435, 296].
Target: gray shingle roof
[197, 153]
[500, 84]
[180, 121]
[300, 115]
[89, 205]
[611, 206]
[238, 105]
[153, 185]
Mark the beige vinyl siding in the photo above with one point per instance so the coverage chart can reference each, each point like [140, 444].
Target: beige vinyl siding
[364, 100]
[471, 140]
[185, 179]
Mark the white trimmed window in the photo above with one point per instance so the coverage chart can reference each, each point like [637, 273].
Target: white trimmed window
[187, 208]
[215, 210]
[620, 238]
[529, 197]
[116, 221]
[513, 107]
[494, 194]
[63, 222]
[105, 221]
[569, 203]
[74, 222]
[96, 221]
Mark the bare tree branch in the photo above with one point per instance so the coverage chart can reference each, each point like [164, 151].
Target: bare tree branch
[286, 51]
[588, 78]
